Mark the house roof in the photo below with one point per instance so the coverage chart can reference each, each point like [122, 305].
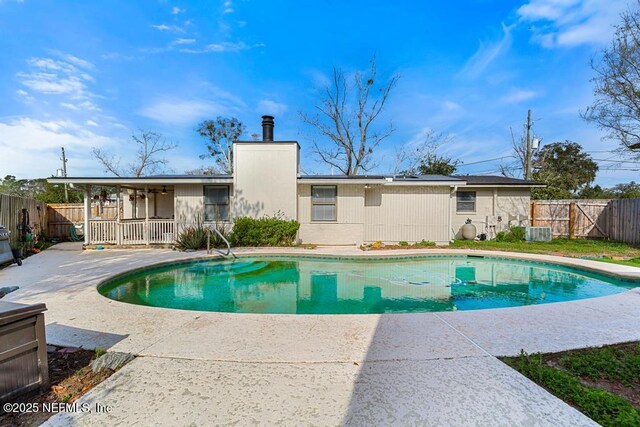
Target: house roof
[496, 180]
[145, 180]
[427, 180]
[424, 180]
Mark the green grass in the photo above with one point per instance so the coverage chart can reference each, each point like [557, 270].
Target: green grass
[621, 363]
[633, 262]
[612, 363]
[567, 247]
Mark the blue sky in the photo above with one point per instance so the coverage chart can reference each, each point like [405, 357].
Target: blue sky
[88, 74]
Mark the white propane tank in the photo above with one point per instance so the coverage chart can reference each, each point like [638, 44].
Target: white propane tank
[469, 231]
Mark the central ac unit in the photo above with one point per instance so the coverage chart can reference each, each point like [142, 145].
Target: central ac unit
[537, 234]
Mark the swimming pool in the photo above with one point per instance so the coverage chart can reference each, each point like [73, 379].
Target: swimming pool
[318, 285]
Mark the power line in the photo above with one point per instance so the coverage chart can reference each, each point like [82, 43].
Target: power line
[617, 161]
[485, 161]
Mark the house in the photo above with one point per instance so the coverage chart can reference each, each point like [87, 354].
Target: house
[332, 210]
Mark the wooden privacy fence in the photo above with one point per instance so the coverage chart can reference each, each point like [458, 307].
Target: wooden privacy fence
[572, 218]
[61, 216]
[11, 213]
[624, 220]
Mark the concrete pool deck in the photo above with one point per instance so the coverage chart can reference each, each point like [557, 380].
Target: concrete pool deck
[206, 367]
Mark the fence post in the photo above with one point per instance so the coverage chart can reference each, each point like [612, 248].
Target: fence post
[533, 213]
[572, 220]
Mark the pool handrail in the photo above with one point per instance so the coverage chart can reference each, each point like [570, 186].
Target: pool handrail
[224, 239]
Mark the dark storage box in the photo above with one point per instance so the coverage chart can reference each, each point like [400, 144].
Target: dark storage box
[23, 349]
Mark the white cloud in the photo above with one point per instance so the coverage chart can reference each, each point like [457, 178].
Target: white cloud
[51, 84]
[267, 106]
[518, 95]
[177, 111]
[318, 78]
[116, 56]
[59, 77]
[46, 138]
[227, 47]
[69, 106]
[451, 106]
[91, 123]
[566, 23]
[168, 28]
[26, 96]
[486, 54]
[223, 47]
[176, 10]
[181, 41]
[82, 63]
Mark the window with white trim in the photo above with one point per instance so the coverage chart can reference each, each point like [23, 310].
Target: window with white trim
[324, 203]
[466, 201]
[216, 203]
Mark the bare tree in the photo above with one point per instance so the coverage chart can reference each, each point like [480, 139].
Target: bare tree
[516, 167]
[220, 134]
[147, 161]
[346, 114]
[616, 108]
[410, 156]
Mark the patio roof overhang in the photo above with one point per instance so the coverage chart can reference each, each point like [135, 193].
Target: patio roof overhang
[141, 181]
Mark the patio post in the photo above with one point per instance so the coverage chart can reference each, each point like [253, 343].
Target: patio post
[87, 212]
[118, 193]
[146, 213]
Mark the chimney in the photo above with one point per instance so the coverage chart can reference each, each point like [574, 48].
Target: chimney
[267, 128]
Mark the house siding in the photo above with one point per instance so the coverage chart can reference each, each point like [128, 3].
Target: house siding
[492, 203]
[409, 213]
[349, 227]
[189, 203]
[386, 213]
[267, 180]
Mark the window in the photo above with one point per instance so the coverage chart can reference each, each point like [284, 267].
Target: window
[372, 196]
[216, 203]
[466, 201]
[323, 202]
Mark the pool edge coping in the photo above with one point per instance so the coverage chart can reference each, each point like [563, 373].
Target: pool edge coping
[619, 271]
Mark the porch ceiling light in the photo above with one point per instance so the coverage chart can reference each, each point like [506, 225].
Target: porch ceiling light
[164, 189]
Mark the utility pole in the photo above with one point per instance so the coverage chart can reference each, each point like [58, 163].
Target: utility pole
[64, 174]
[527, 172]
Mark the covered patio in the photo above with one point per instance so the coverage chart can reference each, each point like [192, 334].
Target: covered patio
[150, 210]
[145, 216]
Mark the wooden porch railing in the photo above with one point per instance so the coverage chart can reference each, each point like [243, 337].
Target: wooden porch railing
[131, 232]
[161, 231]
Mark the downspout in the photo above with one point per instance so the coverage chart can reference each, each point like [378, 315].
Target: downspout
[453, 191]
[495, 201]
[87, 212]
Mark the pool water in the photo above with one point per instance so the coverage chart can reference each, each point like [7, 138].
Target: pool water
[304, 285]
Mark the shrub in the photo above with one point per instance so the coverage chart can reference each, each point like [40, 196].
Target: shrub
[403, 243]
[217, 241]
[265, 231]
[377, 245]
[99, 351]
[192, 237]
[424, 244]
[515, 234]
